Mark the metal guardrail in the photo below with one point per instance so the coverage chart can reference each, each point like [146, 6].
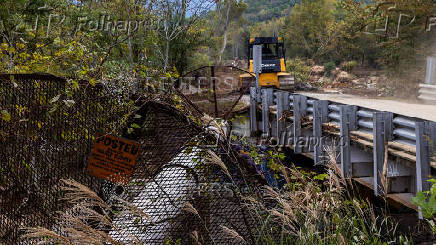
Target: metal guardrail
[309, 109]
[383, 126]
[404, 130]
[427, 92]
[365, 120]
[402, 127]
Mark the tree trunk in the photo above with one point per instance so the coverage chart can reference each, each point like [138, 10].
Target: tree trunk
[223, 48]
[167, 51]
[129, 42]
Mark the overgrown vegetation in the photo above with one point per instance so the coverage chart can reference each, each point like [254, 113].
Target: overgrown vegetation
[310, 209]
[299, 69]
[329, 67]
[427, 202]
[91, 38]
[99, 39]
[314, 208]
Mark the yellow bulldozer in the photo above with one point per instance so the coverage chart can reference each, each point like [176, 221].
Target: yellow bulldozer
[273, 64]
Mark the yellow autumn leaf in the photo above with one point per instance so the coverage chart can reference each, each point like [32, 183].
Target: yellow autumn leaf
[6, 115]
[92, 81]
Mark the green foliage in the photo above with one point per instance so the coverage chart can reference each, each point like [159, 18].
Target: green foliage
[299, 69]
[349, 66]
[344, 30]
[320, 177]
[329, 67]
[225, 28]
[427, 202]
[267, 28]
[309, 28]
[5, 115]
[263, 11]
[56, 36]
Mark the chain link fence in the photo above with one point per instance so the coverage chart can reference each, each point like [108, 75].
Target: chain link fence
[47, 130]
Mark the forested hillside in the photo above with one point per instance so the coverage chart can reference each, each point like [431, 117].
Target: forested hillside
[259, 10]
[103, 37]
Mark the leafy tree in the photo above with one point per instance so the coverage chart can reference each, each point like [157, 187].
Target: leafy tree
[309, 29]
[227, 13]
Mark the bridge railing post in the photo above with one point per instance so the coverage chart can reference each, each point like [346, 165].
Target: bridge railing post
[253, 110]
[425, 147]
[382, 133]
[320, 116]
[347, 123]
[299, 109]
[286, 107]
[279, 119]
[267, 100]
[296, 125]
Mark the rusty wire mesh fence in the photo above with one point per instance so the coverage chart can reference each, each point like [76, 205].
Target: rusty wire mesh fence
[46, 134]
[216, 90]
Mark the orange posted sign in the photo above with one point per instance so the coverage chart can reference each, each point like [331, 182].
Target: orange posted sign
[113, 158]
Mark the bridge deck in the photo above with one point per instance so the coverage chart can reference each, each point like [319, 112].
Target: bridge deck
[406, 108]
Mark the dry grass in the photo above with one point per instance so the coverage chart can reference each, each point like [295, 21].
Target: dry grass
[82, 224]
[187, 207]
[233, 235]
[76, 193]
[308, 212]
[215, 160]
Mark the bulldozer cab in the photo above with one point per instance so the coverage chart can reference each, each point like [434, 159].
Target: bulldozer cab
[273, 54]
[273, 64]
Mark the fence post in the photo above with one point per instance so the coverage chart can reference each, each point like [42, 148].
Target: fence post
[253, 110]
[430, 74]
[382, 133]
[320, 116]
[212, 73]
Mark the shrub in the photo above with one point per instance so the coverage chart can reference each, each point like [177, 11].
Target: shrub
[329, 67]
[299, 69]
[349, 66]
[427, 202]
